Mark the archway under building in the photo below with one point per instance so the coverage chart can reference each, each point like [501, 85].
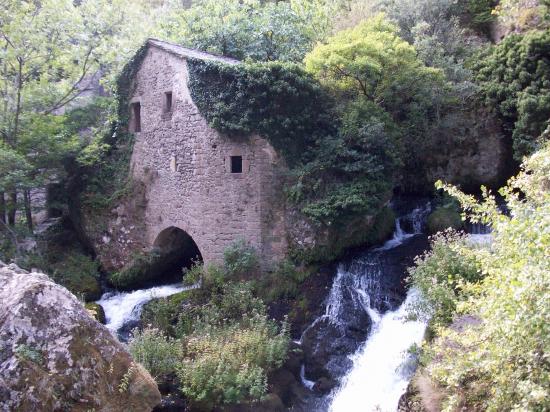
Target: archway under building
[176, 250]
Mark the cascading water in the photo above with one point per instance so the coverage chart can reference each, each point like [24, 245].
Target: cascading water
[383, 367]
[123, 309]
[362, 338]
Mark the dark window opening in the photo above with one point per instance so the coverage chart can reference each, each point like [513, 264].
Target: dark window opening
[236, 164]
[167, 102]
[136, 112]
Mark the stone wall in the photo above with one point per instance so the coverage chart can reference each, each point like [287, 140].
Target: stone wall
[183, 168]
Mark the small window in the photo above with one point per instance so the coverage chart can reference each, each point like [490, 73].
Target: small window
[236, 164]
[167, 102]
[136, 114]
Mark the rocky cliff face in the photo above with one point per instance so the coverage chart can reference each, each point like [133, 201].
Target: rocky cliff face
[55, 357]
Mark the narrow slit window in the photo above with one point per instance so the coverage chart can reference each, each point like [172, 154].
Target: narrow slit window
[136, 113]
[236, 164]
[167, 102]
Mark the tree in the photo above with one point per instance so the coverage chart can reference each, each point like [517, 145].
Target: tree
[370, 60]
[514, 78]
[250, 29]
[49, 53]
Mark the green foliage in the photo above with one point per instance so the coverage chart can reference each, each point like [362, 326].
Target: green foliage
[372, 64]
[481, 12]
[228, 343]
[440, 275]
[14, 169]
[228, 363]
[499, 362]
[351, 172]
[239, 259]
[371, 60]
[251, 29]
[442, 218]
[71, 268]
[143, 268]
[515, 81]
[157, 353]
[275, 100]
[283, 282]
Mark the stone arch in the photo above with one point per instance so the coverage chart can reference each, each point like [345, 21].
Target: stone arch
[177, 250]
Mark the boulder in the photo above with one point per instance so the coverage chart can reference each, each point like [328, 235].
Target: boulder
[96, 311]
[55, 356]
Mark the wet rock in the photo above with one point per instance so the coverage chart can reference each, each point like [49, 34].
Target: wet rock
[54, 356]
[96, 311]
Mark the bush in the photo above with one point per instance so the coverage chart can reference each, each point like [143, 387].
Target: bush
[499, 362]
[240, 259]
[157, 353]
[439, 275]
[77, 272]
[228, 363]
[141, 270]
[442, 218]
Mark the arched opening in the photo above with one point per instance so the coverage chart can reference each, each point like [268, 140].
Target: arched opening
[177, 250]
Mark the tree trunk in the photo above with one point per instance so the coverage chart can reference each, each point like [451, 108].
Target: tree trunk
[12, 208]
[2, 208]
[28, 210]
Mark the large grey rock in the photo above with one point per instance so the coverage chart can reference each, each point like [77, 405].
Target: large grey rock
[55, 357]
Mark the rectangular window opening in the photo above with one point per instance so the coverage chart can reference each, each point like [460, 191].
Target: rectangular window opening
[167, 102]
[136, 114]
[236, 164]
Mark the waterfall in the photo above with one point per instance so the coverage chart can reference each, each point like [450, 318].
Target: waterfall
[363, 303]
[383, 367]
[123, 309]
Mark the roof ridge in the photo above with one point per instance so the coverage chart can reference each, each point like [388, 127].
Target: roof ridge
[186, 52]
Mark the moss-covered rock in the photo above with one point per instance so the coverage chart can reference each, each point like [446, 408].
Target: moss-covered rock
[140, 272]
[330, 243]
[59, 358]
[442, 218]
[96, 311]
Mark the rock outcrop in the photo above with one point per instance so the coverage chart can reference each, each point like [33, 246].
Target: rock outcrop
[55, 357]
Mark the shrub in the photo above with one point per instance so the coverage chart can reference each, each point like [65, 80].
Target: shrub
[442, 218]
[77, 272]
[499, 363]
[228, 363]
[141, 270]
[239, 259]
[440, 275]
[156, 352]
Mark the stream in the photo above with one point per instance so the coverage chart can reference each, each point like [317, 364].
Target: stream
[357, 353]
[123, 309]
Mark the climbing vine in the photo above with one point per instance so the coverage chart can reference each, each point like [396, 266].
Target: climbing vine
[278, 101]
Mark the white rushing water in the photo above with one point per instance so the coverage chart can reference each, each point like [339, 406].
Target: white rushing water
[383, 367]
[123, 307]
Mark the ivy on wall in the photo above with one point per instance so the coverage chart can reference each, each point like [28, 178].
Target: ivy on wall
[278, 101]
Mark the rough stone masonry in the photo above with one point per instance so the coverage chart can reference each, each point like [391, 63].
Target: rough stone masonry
[215, 188]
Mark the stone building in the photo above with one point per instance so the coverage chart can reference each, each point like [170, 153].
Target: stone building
[199, 187]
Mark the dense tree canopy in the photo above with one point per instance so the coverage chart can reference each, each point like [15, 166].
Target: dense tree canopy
[515, 80]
